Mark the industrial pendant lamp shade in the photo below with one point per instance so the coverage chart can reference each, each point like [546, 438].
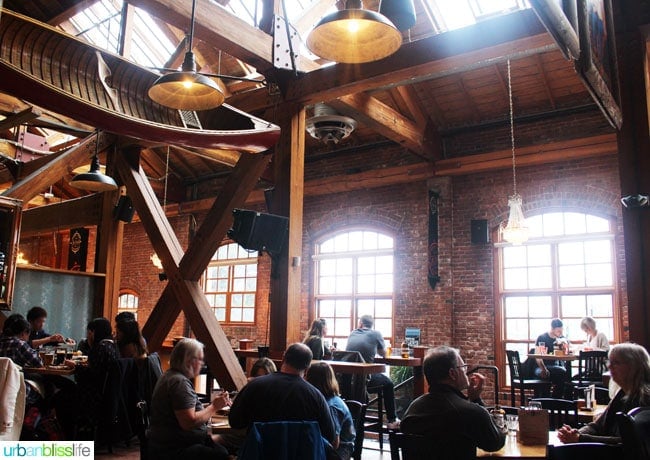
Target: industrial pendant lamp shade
[399, 12]
[515, 231]
[94, 180]
[354, 36]
[187, 90]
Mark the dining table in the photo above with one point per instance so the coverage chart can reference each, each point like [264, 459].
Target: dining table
[50, 370]
[566, 358]
[514, 449]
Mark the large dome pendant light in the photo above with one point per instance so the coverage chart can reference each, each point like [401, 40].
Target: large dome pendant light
[354, 36]
[187, 90]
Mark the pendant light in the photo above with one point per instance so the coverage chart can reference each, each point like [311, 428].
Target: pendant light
[516, 230]
[354, 35]
[400, 12]
[187, 90]
[94, 180]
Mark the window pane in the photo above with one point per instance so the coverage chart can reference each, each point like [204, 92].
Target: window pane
[553, 224]
[600, 305]
[572, 276]
[540, 306]
[516, 307]
[516, 329]
[515, 278]
[248, 315]
[575, 223]
[598, 251]
[599, 275]
[539, 278]
[573, 305]
[235, 314]
[571, 253]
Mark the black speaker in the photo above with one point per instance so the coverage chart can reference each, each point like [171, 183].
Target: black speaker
[480, 233]
[258, 231]
[124, 209]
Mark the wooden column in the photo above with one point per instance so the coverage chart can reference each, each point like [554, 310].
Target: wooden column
[634, 165]
[288, 168]
[110, 233]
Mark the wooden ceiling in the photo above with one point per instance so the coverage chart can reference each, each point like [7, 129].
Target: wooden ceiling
[434, 87]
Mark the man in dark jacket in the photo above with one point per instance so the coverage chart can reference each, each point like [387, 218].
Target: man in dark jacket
[455, 424]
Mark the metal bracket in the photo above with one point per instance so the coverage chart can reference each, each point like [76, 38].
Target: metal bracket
[286, 44]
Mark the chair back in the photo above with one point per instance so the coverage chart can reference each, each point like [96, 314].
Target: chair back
[635, 433]
[591, 365]
[358, 412]
[514, 365]
[405, 446]
[585, 451]
[283, 440]
[349, 382]
[560, 412]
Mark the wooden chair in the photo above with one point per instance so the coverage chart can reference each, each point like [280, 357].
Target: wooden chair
[518, 380]
[584, 451]
[411, 446]
[591, 365]
[358, 412]
[560, 412]
[635, 432]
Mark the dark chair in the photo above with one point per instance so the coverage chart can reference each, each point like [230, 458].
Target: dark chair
[635, 432]
[411, 446]
[591, 365]
[518, 380]
[284, 440]
[585, 451]
[350, 385]
[560, 412]
[602, 394]
[358, 411]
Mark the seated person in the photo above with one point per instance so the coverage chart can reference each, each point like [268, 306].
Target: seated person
[130, 342]
[178, 423]
[314, 340]
[263, 366]
[284, 396]
[37, 336]
[552, 369]
[369, 342]
[595, 340]
[321, 375]
[234, 439]
[454, 422]
[629, 365]
[91, 377]
[14, 345]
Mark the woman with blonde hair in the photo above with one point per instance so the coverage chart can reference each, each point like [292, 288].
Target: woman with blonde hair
[178, 428]
[595, 340]
[629, 365]
[321, 375]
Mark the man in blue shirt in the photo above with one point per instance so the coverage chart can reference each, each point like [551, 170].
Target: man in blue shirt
[369, 342]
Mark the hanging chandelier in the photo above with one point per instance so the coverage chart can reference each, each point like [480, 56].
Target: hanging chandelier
[515, 231]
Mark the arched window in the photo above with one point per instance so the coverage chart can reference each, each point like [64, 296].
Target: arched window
[565, 270]
[128, 301]
[230, 284]
[354, 277]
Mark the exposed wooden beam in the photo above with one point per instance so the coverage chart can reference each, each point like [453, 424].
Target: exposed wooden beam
[19, 118]
[531, 155]
[77, 7]
[218, 27]
[384, 119]
[50, 172]
[78, 212]
[407, 100]
[505, 37]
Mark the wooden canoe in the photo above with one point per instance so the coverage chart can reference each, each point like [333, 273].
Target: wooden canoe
[54, 70]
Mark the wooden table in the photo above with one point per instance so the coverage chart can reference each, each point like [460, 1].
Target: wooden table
[414, 362]
[566, 359]
[514, 449]
[219, 424]
[49, 370]
[588, 416]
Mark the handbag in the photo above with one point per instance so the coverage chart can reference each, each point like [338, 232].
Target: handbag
[533, 426]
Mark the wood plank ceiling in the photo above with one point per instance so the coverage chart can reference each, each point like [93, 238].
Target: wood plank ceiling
[436, 87]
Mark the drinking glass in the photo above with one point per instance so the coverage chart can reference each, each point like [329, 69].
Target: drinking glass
[541, 346]
[535, 405]
[512, 423]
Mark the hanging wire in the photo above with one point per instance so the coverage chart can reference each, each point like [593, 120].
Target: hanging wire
[166, 176]
[512, 132]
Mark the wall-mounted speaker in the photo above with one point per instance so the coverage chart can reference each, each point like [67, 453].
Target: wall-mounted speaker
[258, 231]
[124, 209]
[480, 233]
